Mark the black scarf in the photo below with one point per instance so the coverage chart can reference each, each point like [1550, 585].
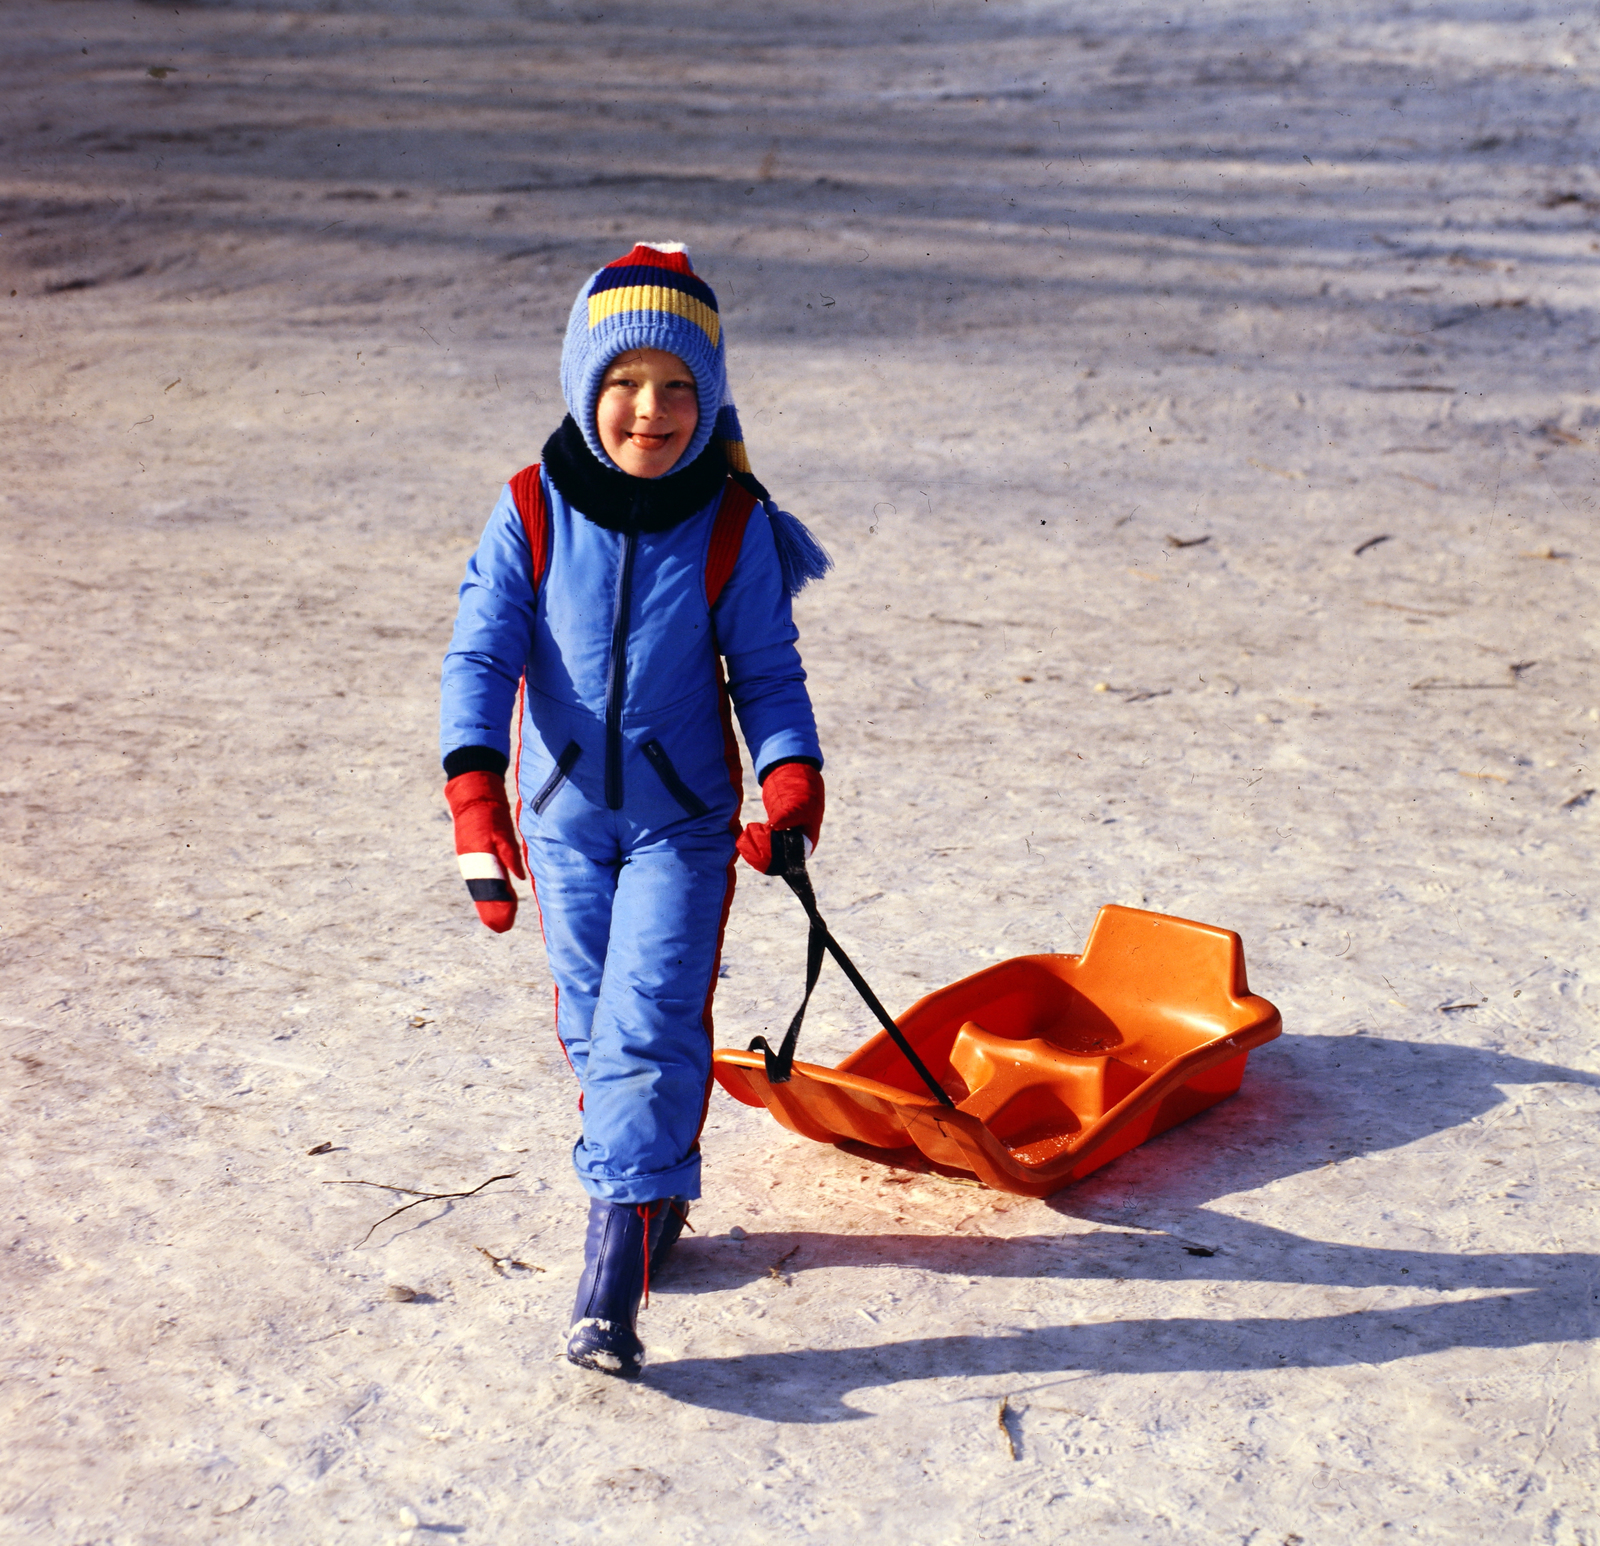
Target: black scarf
[620, 502]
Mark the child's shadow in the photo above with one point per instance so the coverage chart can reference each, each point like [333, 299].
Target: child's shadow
[1321, 1098]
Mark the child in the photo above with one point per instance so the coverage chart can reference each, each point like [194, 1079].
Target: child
[613, 584]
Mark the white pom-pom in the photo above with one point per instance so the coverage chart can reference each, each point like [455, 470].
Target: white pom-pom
[667, 247]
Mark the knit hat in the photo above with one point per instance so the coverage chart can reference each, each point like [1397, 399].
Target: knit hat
[651, 298]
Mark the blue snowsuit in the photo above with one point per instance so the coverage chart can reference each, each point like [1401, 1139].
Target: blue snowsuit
[630, 787]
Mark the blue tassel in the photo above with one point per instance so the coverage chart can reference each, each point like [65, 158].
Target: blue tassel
[801, 558]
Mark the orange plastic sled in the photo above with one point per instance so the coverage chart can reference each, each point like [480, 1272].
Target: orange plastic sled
[1056, 1063]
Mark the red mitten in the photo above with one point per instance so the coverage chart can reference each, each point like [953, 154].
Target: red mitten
[486, 845]
[793, 796]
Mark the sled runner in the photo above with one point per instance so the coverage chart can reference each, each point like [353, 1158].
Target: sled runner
[1046, 1066]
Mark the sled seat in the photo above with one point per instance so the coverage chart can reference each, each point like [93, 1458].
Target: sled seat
[1056, 1063]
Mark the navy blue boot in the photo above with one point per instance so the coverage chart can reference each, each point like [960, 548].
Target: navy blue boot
[614, 1268]
[666, 1225]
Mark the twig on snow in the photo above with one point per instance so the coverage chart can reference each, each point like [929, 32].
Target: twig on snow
[1002, 1420]
[500, 1263]
[417, 1197]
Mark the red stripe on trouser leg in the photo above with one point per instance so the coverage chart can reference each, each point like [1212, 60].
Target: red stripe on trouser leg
[555, 987]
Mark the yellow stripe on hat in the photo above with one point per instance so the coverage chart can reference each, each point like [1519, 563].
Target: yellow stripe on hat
[608, 303]
[738, 457]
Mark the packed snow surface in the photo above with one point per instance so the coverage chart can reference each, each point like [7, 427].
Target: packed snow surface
[1199, 402]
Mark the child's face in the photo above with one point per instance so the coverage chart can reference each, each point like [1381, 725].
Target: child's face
[647, 412]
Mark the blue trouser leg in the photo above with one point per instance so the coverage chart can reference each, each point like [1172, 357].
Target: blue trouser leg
[633, 948]
[575, 895]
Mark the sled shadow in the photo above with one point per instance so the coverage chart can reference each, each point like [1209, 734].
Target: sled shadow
[811, 1385]
[1306, 1102]
[1322, 1098]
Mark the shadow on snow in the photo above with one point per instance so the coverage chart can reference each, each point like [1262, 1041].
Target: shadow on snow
[1372, 1094]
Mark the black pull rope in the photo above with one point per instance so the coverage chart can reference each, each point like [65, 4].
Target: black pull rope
[789, 861]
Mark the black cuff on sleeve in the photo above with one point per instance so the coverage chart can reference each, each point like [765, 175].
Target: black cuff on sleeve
[810, 762]
[475, 759]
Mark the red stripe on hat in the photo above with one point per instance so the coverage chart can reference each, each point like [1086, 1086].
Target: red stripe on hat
[654, 257]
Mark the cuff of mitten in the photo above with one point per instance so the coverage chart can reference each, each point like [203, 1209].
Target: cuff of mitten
[476, 759]
[783, 762]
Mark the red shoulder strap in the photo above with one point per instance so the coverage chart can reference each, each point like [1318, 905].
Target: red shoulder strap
[727, 537]
[527, 489]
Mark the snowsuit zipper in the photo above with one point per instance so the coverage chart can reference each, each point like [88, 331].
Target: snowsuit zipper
[680, 791]
[563, 770]
[617, 682]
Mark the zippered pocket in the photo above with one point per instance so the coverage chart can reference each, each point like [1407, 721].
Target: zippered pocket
[656, 753]
[565, 763]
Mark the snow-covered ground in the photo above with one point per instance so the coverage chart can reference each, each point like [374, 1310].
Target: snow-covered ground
[1024, 300]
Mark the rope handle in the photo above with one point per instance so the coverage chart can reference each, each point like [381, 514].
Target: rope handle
[789, 861]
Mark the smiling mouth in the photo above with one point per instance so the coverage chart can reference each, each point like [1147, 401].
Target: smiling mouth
[649, 442]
